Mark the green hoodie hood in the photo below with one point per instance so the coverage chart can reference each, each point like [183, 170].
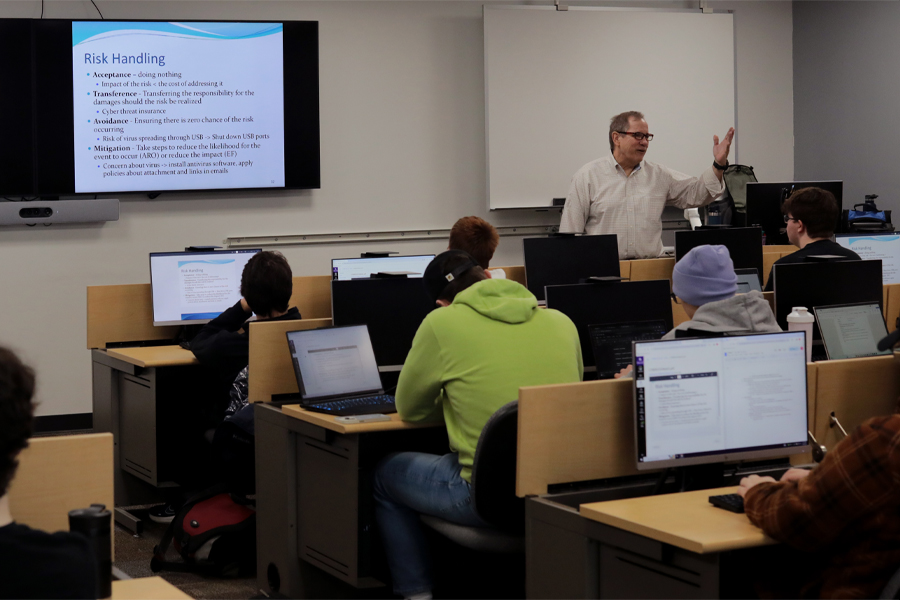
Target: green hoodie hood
[499, 299]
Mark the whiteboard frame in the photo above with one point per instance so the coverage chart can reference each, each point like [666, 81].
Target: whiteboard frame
[601, 145]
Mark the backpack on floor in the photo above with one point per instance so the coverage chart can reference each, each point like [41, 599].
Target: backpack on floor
[215, 534]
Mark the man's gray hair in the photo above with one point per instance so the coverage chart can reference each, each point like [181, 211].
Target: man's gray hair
[620, 123]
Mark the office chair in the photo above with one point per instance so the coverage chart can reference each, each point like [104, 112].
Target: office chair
[493, 489]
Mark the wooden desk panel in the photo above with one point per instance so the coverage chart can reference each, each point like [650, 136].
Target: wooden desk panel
[686, 520]
[574, 432]
[855, 390]
[312, 296]
[122, 313]
[891, 305]
[271, 371]
[328, 422]
[625, 269]
[516, 274]
[652, 268]
[781, 249]
[59, 474]
[146, 588]
[155, 356]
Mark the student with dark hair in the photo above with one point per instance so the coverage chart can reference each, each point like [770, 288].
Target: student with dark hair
[33, 564]
[468, 359]
[811, 216]
[480, 239]
[223, 345]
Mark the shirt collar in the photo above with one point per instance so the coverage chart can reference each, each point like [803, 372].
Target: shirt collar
[616, 167]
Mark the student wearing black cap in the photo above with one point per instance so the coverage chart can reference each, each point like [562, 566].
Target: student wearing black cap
[467, 360]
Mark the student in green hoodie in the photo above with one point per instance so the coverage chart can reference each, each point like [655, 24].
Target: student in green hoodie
[467, 360]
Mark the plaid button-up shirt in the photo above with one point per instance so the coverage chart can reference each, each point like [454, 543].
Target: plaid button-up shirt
[847, 511]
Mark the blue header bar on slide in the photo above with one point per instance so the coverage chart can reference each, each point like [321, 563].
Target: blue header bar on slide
[85, 31]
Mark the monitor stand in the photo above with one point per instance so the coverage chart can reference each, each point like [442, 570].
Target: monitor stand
[701, 477]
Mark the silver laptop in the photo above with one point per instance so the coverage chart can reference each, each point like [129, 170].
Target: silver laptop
[851, 330]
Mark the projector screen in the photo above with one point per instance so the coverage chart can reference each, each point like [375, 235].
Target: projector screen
[153, 106]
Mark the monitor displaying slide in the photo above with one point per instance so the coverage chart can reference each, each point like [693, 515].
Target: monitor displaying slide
[713, 400]
[343, 269]
[177, 106]
[851, 330]
[191, 288]
[883, 246]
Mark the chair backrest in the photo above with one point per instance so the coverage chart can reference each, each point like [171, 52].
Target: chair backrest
[494, 471]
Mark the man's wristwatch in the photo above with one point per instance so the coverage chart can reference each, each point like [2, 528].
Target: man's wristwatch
[720, 167]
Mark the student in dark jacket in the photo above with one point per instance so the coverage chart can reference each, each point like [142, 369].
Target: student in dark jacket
[810, 216]
[33, 564]
[266, 287]
[223, 345]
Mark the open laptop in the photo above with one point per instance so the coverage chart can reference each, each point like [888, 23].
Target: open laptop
[611, 343]
[747, 280]
[851, 330]
[336, 371]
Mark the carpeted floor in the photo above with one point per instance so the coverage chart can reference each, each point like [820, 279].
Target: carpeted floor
[133, 556]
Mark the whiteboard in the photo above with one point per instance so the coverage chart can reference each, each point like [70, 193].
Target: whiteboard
[553, 80]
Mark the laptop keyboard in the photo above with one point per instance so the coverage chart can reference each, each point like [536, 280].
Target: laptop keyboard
[364, 405]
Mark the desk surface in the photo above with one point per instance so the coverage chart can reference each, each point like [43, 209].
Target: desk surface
[328, 422]
[154, 356]
[146, 588]
[686, 520]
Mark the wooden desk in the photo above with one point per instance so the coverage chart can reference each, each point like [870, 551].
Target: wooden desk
[146, 588]
[315, 514]
[686, 520]
[154, 356]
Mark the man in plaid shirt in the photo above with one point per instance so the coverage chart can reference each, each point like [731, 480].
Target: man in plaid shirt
[845, 511]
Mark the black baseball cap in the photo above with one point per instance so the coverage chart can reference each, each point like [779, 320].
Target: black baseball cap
[438, 274]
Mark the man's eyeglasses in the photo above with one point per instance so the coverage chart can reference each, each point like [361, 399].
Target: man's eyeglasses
[638, 135]
[788, 218]
[674, 298]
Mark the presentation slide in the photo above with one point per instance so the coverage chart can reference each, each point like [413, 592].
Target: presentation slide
[177, 106]
[195, 287]
[871, 247]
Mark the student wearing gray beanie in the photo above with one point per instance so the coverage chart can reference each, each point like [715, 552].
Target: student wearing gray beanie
[705, 284]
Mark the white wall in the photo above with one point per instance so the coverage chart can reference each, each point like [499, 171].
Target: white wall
[402, 122]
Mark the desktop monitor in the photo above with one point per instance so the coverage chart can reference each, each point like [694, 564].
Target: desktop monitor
[560, 260]
[393, 308]
[764, 202]
[744, 244]
[191, 288]
[610, 302]
[813, 284]
[714, 400]
[362, 268]
[872, 246]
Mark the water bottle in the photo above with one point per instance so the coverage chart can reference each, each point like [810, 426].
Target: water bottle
[95, 523]
[801, 320]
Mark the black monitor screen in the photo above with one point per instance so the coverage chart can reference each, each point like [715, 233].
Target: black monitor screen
[563, 260]
[744, 244]
[393, 309]
[764, 205]
[815, 284]
[618, 302]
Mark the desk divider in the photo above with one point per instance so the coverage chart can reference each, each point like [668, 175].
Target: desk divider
[312, 296]
[652, 268]
[59, 474]
[585, 431]
[891, 305]
[122, 313]
[516, 274]
[271, 371]
[780, 249]
[625, 269]
[574, 432]
[854, 390]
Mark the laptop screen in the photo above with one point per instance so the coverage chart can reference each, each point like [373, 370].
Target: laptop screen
[334, 361]
[851, 330]
[611, 343]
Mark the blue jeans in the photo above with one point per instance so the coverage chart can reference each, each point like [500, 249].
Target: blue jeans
[409, 483]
